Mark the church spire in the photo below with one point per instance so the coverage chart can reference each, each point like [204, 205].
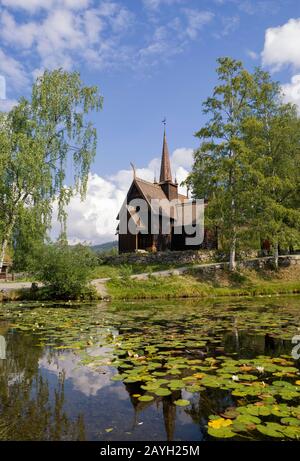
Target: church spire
[165, 169]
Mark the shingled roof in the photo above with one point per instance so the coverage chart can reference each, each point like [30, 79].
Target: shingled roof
[165, 168]
[155, 191]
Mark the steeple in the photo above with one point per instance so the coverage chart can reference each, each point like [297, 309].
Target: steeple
[165, 169]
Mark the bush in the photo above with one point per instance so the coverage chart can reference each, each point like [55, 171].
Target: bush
[65, 270]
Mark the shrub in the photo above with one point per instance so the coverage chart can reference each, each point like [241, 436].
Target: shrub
[65, 270]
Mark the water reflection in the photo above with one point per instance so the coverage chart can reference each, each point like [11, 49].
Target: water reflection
[50, 394]
[2, 348]
[28, 410]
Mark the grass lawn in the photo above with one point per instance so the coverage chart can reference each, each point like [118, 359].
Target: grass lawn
[195, 284]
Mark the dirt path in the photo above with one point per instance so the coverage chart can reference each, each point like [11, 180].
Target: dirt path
[100, 285]
[14, 285]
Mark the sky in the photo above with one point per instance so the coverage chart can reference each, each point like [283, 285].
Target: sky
[150, 59]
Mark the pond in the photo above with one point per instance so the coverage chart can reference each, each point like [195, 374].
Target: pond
[173, 370]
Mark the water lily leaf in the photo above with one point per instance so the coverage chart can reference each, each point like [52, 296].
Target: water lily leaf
[176, 384]
[194, 388]
[292, 432]
[230, 412]
[146, 398]
[162, 392]
[182, 403]
[222, 433]
[290, 421]
[270, 429]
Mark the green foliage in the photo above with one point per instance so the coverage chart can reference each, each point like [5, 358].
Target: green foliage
[247, 165]
[39, 138]
[28, 238]
[126, 270]
[65, 270]
[273, 133]
[194, 286]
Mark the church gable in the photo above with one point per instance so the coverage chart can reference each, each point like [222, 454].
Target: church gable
[166, 192]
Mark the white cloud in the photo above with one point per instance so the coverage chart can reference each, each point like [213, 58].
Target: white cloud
[33, 6]
[94, 219]
[83, 378]
[183, 157]
[155, 4]
[63, 36]
[13, 71]
[69, 33]
[291, 90]
[7, 104]
[196, 20]
[14, 33]
[252, 54]
[281, 45]
[229, 25]
[2, 87]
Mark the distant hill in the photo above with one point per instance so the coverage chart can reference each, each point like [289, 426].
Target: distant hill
[103, 247]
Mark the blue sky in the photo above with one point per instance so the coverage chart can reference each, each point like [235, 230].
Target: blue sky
[150, 58]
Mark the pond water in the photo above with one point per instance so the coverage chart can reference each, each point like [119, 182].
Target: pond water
[173, 370]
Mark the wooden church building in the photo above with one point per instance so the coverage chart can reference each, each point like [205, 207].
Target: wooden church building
[154, 238]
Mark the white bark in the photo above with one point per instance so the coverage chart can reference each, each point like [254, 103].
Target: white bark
[2, 252]
[232, 260]
[5, 239]
[276, 256]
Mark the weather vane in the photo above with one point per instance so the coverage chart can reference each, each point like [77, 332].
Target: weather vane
[164, 121]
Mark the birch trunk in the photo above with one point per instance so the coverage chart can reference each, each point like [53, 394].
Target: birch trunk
[276, 256]
[5, 240]
[2, 252]
[232, 260]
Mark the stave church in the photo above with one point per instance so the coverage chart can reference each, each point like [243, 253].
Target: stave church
[144, 238]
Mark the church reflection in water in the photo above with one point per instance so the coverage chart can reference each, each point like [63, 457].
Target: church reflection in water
[27, 409]
[48, 394]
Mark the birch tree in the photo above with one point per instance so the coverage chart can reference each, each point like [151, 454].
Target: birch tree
[273, 132]
[39, 139]
[222, 171]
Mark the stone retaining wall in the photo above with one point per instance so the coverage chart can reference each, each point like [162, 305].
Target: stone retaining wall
[284, 261]
[258, 263]
[166, 257]
[182, 258]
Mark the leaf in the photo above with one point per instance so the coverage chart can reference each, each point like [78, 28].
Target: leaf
[162, 392]
[222, 433]
[146, 398]
[182, 403]
[230, 413]
[117, 378]
[270, 429]
[290, 421]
